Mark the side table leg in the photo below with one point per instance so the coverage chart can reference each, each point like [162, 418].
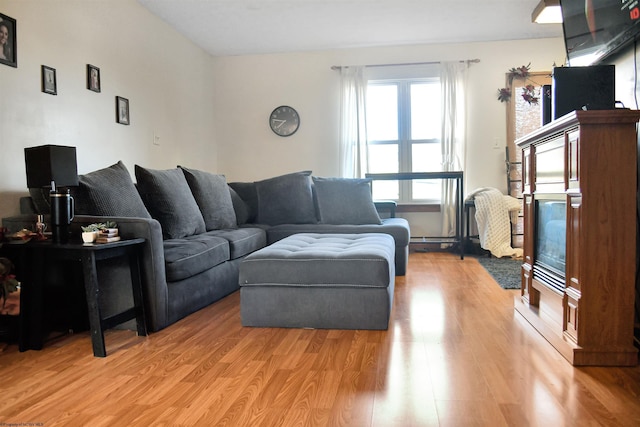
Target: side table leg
[136, 286]
[32, 301]
[93, 306]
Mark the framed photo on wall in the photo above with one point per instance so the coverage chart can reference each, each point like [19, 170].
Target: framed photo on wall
[122, 110]
[8, 45]
[93, 78]
[49, 84]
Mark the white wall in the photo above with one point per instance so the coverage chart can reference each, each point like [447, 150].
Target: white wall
[166, 78]
[251, 86]
[626, 74]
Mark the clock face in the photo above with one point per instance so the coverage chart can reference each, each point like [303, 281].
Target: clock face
[284, 121]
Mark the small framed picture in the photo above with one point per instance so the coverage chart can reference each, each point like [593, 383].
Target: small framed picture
[122, 110]
[93, 78]
[8, 46]
[49, 84]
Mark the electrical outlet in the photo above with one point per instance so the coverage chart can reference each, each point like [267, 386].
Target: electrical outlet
[156, 139]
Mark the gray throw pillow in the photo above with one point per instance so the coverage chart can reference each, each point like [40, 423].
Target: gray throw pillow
[213, 198]
[109, 192]
[169, 200]
[345, 201]
[240, 207]
[286, 199]
[247, 192]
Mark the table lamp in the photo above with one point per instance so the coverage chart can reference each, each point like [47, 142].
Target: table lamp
[54, 167]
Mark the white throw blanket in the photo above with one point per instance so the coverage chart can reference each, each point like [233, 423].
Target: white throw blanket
[494, 214]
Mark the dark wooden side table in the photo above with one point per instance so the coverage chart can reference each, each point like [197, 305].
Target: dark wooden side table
[31, 257]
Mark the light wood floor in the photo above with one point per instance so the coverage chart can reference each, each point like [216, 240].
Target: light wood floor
[455, 354]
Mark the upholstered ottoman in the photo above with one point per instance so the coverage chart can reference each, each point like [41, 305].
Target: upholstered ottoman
[331, 281]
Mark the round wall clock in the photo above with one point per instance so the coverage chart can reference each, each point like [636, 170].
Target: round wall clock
[284, 121]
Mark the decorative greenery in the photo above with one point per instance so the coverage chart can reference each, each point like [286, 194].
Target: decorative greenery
[99, 226]
[528, 91]
[7, 280]
[504, 94]
[519, 73]
[91, 228]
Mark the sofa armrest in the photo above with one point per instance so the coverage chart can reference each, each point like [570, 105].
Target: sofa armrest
[386, 206]
[18, 222]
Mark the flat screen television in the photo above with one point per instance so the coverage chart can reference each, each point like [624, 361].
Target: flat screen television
[593, 29]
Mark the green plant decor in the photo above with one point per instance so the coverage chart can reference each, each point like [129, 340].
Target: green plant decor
[99, 226]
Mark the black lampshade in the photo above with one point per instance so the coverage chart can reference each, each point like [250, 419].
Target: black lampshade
[48, 163]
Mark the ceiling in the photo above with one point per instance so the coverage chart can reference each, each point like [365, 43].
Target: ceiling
[247, 27]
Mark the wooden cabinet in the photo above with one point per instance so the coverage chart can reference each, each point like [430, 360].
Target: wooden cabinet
[581, 298]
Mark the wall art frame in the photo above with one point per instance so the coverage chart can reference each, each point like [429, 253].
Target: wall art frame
[122, 110]
[8, 43]
[49, 80]
[93, 78]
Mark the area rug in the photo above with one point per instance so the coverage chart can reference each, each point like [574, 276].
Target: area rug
[506, 271]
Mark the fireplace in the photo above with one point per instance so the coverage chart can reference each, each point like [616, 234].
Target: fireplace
[579, 180]
[550, 242]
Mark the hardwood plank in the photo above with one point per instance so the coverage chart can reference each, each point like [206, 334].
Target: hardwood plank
[455, 354]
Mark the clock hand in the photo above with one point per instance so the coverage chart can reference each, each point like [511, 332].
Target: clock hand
[281, 122]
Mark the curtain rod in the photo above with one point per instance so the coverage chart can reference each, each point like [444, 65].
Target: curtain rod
[339, 67]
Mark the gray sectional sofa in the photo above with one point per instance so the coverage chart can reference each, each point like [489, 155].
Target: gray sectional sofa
[198, 228]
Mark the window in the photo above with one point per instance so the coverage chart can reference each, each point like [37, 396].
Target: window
[403, 128]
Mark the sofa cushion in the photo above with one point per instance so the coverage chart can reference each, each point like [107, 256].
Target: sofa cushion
[109, 192]
[242, 241]
[286, 199]
[345, 201]
[398, 228]
[169, 200]
[192, 255]
[249, 195]
[213, 198]
[323, 260]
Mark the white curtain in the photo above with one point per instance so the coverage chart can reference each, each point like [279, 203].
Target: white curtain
[452, 81]
[353, 127]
